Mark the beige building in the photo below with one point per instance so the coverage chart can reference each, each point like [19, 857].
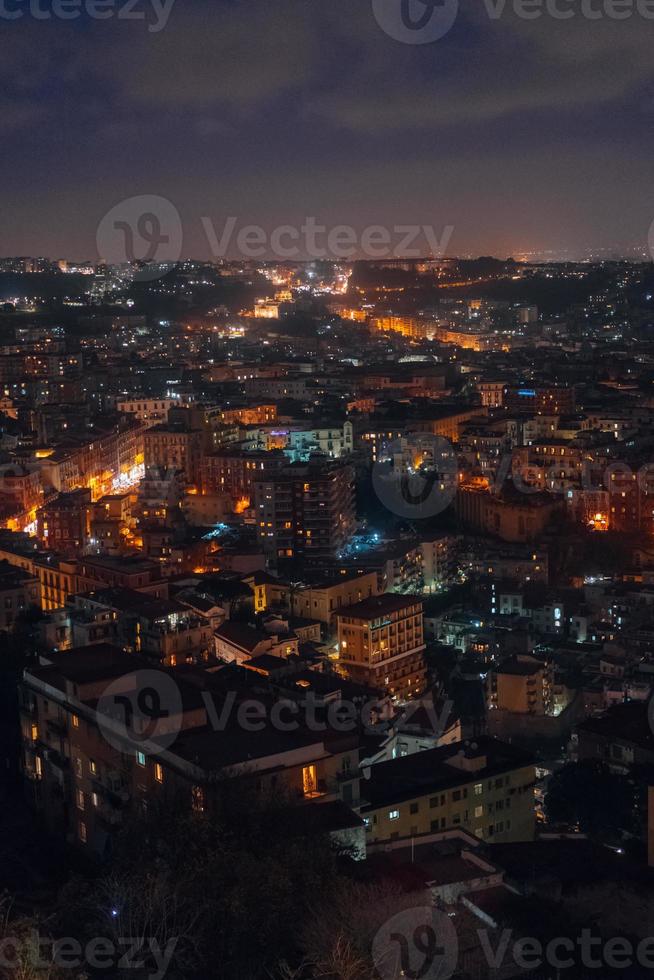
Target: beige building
[148, 410]
[522, 685]
[323, 601]
[380, 643]
[486, 788]
[171, 448]
[523, 518]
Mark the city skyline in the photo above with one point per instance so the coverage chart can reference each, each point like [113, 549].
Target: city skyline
[273, 112]
[326, 489]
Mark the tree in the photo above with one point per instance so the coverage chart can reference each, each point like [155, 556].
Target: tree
[587, 793]
[231, 886]
[28, 951]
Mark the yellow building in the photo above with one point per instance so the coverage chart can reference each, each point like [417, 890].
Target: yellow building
[522, 685]
[380, 643]
[269, 592]
[323, 601]
[486, 788]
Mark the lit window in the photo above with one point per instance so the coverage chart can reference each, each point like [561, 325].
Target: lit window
[93, 767]
[158, 773]
[309, 781]
[197, 799]
[393, 814]
[479, 789]
[82, 832]
[75, 721]
[140, 759]
[80, 799]
[479, 811]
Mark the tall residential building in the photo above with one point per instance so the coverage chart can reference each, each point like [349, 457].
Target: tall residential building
[381, 643]
[522, 685]
[87, 761]
[233, 472]
[546, 399]
[64, 524]
[438, 551]
[306, 510]
[175, 447]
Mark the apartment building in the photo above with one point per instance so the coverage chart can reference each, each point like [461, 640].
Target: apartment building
[150, 411]
[233, 471]
[522, 685]
[174, 447]
[18, 591]
[306, 510]
[381, 644]
[161, 629]
[64, 524]
[485, 788]
[324, 599]
[438, 551]
[86, 767]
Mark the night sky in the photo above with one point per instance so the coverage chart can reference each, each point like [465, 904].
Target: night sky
[522, 135]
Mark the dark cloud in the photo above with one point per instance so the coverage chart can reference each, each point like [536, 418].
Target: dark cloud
[520, 133]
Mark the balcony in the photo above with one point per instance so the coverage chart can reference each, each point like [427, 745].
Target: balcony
[27, 707]
[113, 789]
[109, 816]
[57, 726]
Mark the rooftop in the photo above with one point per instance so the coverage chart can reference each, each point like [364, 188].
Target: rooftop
[381, 605]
